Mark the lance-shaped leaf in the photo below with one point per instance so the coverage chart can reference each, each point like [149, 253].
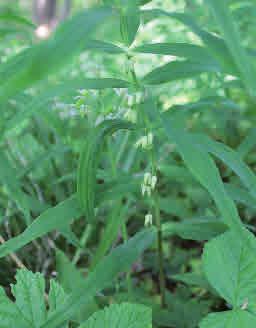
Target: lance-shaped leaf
[58, 217]
[229, 29]
[68, 87]
[8, 177]
[88, 162]
[195, 229]
[215, 44]
[37, 62]
[129, 23]
[230, 157]
[184, 50]
[204, 169]
[177, 70]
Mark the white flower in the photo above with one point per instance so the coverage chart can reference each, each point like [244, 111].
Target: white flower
[145, 142]
[153, 182]
[149, 184]
[245, 305]
[148, 220]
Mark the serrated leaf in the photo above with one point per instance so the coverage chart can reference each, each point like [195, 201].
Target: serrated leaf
[9, 313]
[57, 296]
[230, 267]
[29, 295]
[229, 319]
[88, 163]
[121, 316]
[119, 260]
[29, 309]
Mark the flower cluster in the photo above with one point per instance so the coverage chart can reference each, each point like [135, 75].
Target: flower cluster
[145, 142]
[149, 184]
[148, 220]
[132, 101]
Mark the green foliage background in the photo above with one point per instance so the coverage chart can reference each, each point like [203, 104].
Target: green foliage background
[129, 112]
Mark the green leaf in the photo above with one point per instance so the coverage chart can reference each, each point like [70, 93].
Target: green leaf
[54, 218]
[232, 38]
[230, 158]
[177, 70]
[204, 169]
[57, 296]
[117, 217]
[119, 260]
[230, 267]
[121, 316]
[88, 163]
[247, 144]
[13, 186]
[240, 195]
[229, 319]
[195, 229]
[29, 295]
[29, 309]
[184, 50]
[69, 87]
[31, 66]
[9, 313]
[129, 23]
[192, 279]
[102, 46]
[215, 44]
[70, 279]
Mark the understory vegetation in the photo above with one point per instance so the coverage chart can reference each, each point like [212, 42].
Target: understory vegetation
[127, 166]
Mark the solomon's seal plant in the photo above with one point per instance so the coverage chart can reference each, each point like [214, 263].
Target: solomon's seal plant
[127, 166]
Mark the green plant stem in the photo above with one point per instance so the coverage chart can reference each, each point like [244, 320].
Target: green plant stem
[83, 242]
[160, 250]
[124, 228]
[128, 274]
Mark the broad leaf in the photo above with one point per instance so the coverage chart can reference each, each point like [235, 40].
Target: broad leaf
[230, 319]
[230, 267]
[121, 316]
[29, 309]
[119, 260]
